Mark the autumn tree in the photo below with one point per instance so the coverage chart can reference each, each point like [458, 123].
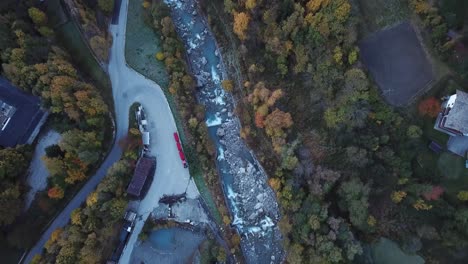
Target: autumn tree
[100, 47]
[38, 17]
[429, 107]
[462, 196]
[241, 24]
[276, 122]
[55, 192]
[250, 4]
[83, 145]
[398, 196]
[227, 85]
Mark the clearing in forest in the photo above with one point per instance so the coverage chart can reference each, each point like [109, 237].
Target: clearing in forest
[398, 63]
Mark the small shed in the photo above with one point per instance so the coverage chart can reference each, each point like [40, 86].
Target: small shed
[436, 147]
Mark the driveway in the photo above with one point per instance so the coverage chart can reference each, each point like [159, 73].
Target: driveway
[170, 177]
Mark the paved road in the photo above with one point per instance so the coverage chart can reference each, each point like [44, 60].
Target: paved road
[170, 177]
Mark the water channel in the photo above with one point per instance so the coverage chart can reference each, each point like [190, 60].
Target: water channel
[251, 201]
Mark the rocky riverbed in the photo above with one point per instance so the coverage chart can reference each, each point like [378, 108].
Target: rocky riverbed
[251, 201]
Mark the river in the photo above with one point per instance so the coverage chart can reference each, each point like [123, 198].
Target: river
[251, 201]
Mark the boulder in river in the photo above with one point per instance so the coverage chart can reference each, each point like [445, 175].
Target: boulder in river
[220, 132]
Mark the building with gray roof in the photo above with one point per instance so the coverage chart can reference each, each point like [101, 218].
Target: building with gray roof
[21, 116]
[453, 120]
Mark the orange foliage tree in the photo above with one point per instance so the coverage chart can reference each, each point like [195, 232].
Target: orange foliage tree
[429, 106]
[276, 122]
[259, 120]
[241, 23]
[56, 192]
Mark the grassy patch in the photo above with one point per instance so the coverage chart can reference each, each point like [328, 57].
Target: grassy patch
[380, 14]
[452, 166]
[142, 43]
[387, 251]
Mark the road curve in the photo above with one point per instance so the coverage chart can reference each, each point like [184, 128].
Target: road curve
[171, 177]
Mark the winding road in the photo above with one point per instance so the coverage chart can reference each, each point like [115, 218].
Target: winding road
[171, 177]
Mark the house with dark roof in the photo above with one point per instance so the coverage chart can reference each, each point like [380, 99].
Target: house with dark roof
[142, 176]
[453, 120]
[21, 116]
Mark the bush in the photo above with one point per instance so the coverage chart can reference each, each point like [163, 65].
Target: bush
[106, 5]
[429, 107]
[100, 47]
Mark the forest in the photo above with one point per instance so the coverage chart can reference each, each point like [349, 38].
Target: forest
[92, 234]
[348, 168]
[34, 61]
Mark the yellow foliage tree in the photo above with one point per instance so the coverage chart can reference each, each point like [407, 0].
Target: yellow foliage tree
[37, 259]
[250, 4]
[76, 217]
[160, 56]
[462, 196]
[314, 5]
[38, 17]
[146, 4]
[420, 6]
[228, 85]
[135, 132]
[241, 23]
[75, 176]
[275, 183]
[398, 196]
[338, 55]
[371, 221]
[421, 205]
[56, 234]
[92, 199]
[226, 220]
[342, 12]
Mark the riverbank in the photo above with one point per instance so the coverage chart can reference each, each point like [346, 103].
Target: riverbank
[251, 201]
